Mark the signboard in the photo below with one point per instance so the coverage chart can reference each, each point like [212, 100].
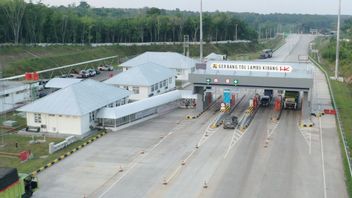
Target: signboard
[201, 66]
[251, 67]
[227, 96]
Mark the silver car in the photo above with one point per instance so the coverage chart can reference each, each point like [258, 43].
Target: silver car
[230, 122]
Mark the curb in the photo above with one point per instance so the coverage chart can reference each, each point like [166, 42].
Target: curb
[34, 173]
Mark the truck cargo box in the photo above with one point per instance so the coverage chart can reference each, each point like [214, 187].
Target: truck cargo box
[8, 176]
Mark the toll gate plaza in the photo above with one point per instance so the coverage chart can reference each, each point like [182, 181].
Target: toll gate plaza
[288, 76]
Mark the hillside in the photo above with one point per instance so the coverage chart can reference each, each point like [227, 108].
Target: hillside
[21, 59]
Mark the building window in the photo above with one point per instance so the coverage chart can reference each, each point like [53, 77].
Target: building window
[91, 116]
[51, 115]
[161, 84]
[135, 90]
[170, 80]
[125, 87]
[22, 91]
[111, 105]
[179, 71]
[38, 118]
[152, 88]
[164, 83]
[4, 96]
[156, 87]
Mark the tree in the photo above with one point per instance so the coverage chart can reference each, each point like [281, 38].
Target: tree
[14, 11]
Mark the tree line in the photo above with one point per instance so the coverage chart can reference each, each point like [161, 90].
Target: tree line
[22, 22]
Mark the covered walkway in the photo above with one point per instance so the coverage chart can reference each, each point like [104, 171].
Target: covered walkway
[117, 116]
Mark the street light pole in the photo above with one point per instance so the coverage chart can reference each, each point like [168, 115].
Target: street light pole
[338, 43]
[236, 31]
[201, 31]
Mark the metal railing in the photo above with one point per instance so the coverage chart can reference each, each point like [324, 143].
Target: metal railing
[339, 122]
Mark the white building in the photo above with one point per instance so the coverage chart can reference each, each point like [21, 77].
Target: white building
[145, 80]
[172, 60]
[59, 83]
[215, 57]
[13, 94]
[73, 109]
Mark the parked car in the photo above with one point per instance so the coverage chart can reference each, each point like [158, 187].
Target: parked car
[67, 76]
[91, 72]
[230, 122]
[83, 74]
[267, 53]
[105, 68]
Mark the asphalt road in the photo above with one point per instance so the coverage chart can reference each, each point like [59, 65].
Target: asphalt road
[160, 159]
[297, 162]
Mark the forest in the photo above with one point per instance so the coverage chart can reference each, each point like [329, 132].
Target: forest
[22, 22]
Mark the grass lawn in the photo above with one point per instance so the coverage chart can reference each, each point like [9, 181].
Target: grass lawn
[20, 59]
[40, 152]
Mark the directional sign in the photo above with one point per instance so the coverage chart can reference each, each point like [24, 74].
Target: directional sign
[255, 67]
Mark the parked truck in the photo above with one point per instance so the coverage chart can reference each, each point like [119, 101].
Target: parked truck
[13, 184]
[291, 100]
[265, 100]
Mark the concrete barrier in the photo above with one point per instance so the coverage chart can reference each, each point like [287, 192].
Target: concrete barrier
[56, 147]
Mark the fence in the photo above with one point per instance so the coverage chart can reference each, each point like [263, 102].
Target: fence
[55, 147]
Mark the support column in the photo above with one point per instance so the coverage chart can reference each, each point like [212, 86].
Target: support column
[306, 109]
[200, 98]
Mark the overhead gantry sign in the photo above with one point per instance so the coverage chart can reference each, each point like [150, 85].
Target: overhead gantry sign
[276, 75]
[248, 74]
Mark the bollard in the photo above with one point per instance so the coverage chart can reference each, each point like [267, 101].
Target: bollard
[164, 182]
[205, 185]
[121, 169]
[183, 163]
[142, 152]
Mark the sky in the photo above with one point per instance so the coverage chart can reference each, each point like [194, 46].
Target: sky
[258, 6]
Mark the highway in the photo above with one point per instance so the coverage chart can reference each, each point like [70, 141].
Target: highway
[292, 165]
[159, 157]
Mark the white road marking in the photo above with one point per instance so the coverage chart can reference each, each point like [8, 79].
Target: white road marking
[322, 156]
[135, 161]
[206, 135]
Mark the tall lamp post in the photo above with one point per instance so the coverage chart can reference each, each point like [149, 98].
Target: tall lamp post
[201, 31]
[236, 31]
[338, 43]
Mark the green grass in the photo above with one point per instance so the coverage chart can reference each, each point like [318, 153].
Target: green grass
[20, 121]
[20, 59]
[40, 152]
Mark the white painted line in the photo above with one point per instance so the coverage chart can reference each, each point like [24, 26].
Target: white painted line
[206, 135]
[310, 143]
[134, 162]
[322, 156]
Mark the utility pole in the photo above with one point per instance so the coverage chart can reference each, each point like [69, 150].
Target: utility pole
[338, 43]
[236, 31]
[201, 31]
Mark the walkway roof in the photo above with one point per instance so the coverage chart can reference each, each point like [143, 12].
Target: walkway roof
[141, 105]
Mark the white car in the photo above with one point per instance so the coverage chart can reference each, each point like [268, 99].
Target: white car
[105, 68]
